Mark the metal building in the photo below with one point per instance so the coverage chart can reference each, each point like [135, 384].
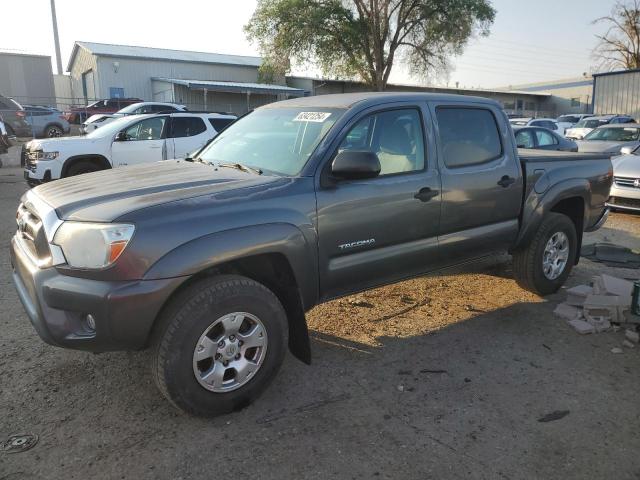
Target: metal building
[26, 78]
[199, 80]
[617, 92]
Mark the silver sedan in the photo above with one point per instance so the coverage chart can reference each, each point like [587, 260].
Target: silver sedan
[625, 190]
[610, 138]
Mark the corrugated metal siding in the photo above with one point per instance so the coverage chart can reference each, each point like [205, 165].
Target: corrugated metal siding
[617, 94]
[134, 75]
[84, 62]
[220, 101]
[27, 78]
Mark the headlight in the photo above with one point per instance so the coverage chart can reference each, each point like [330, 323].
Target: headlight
[46, 155]
[92, 245]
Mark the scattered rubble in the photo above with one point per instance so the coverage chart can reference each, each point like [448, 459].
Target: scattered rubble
[616, 350]
[628, 344]
[612, 255]
[598, 307]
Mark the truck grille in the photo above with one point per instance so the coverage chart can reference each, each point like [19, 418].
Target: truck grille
[31, 234]
[627, 182]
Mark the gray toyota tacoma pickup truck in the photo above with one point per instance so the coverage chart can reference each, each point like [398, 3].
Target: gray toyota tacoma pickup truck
[212, 263]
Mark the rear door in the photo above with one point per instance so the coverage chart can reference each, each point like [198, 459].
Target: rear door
[188, 134]
[379, 230]
[481, 180]
[145, 141]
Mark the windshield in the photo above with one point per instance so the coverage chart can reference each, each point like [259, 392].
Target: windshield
[111, 128]
[627, 134]
[567, 119]
[590, 123]
[278, 140]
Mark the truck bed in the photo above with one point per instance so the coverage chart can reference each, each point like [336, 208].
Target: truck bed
[530, 155]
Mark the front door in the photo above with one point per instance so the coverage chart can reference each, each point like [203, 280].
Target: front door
[481, 181]
[142, 142]
[383, 229]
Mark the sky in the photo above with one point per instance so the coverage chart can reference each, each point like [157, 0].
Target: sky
[530, 40]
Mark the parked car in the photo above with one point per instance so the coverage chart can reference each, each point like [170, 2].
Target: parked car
[5, 143]
[213, 263]
[584, 126]
[125, 141]
[569, 120]
[548, 123]
[611, 138]
[14, 118]
[625, 191]
[46, 121]
[542, 139]
[101, 119]
[77, 115]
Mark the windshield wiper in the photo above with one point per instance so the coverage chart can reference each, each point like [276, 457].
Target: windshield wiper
[239, 166]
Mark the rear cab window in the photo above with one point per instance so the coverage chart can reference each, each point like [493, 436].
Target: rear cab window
[468, 136]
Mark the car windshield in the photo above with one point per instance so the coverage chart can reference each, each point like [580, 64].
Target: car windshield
[279, 140]
[590, 123]
[567, 119]
[627, 134]
[112, 128]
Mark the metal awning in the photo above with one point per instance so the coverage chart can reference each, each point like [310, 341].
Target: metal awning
[234, 87]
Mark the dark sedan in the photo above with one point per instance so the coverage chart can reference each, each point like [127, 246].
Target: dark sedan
[543, 139]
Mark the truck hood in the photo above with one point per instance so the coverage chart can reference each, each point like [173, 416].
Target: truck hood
[104, 196]
[601, 146]
[626, 166]
[53, 144]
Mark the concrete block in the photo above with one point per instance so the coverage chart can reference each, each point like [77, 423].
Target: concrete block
[628, 344]
[577, 295]
[619, 287]
[632, 336]
[568, 312]
[607, 307]
[616, 350]
[581, 326]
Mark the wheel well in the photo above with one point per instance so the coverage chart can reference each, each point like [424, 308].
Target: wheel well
[53, 124]
[274, 272]
[574, 209]
[98, 160]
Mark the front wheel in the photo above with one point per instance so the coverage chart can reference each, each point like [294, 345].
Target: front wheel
[218, 345]
[544, 264]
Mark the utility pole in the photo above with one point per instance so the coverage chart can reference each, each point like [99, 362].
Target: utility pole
[56, 40]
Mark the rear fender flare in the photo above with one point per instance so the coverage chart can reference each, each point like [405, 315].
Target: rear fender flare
[536, 206]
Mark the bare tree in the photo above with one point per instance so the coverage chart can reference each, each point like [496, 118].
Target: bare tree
[619, 47]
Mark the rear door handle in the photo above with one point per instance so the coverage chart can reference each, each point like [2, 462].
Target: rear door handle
[506, 180]
[425, 194]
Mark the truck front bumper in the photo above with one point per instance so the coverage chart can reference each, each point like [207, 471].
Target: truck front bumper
[58, 306]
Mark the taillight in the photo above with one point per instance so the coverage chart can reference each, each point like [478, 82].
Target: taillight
[21, 113]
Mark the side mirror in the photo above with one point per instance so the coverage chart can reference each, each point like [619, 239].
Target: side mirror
[121, 137]
[355, 164]
[627, 150]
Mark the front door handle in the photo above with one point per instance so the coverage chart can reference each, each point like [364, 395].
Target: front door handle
[506, 180]
[425, 194]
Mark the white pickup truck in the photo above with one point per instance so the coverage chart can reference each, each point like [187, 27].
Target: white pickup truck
[126, 141]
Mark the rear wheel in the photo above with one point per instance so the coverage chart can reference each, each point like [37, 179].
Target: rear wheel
[544, 264]
[80, 167]
[218, 345]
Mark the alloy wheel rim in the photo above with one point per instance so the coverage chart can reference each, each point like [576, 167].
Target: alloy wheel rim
[555, 255]
[230, 352]
[54, 132]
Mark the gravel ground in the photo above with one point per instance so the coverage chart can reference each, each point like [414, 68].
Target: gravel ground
[439, 377]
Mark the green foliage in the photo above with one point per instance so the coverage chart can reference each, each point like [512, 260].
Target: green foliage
[363, 38]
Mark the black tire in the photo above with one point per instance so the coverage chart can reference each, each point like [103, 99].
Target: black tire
[528, 261]
[188, 316]
[53, 131]
[80, 167]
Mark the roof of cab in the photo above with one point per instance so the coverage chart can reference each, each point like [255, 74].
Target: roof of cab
[348, 100]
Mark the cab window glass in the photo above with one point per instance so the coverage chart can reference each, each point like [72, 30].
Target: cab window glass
[395, 136]
[148, 129]
[545, 138]
[469, 136]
